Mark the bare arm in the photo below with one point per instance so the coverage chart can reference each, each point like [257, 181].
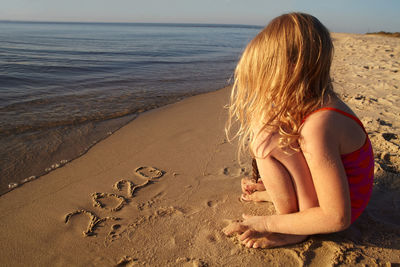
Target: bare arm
[321, 151]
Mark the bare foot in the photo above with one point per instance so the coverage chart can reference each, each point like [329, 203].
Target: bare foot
[253, 239]
[271, 240]
[234, 227]
[249, 185]
[257, 196]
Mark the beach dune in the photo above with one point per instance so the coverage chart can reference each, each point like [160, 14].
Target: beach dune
[158, 191]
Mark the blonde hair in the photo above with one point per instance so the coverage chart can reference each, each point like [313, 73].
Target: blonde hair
[282, 75]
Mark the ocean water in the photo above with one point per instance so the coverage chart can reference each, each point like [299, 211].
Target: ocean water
[66, 86]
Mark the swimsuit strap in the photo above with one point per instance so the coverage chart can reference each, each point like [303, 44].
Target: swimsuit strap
[339, 111]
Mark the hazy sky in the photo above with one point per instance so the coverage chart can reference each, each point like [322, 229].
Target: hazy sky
[338, 15]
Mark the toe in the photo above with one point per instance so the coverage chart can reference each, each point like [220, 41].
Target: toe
[250, 243]
[245, 235]
[245, 197]
[244, 241]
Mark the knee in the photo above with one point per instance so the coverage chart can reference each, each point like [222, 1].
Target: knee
[286, 206]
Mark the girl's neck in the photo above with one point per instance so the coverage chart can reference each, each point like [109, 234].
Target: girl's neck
[330, 99]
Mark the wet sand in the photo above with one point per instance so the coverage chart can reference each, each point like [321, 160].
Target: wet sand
[158, 191]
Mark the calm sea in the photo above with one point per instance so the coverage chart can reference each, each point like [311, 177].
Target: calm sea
[65, 86]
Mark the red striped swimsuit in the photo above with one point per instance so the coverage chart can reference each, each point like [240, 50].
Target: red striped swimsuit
[359, 167]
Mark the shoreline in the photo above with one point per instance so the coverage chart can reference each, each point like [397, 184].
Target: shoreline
[56, 165]
[56, 99]
[112, 123]
[100, 209]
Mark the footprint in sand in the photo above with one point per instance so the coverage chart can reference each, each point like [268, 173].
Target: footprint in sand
[384, 123]
[115, 233]
[215, 203]
[211, 203]
[389, 136]
[114, 228]
[390, 141]
[103, 200]
[349, 255]
[185, 261]
[235, 172]
[389, 162]
[126, 261]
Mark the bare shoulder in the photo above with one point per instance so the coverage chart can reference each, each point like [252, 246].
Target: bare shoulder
[320, 130]
[321, 122]
[330, 128]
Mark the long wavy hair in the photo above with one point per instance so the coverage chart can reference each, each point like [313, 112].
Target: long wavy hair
[282, 75]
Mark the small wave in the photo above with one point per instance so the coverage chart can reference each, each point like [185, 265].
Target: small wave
[13, 81]
[48, 52]
[40, 68]
[142, 104]
[7, 130]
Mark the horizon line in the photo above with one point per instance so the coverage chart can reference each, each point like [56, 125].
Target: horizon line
[131, 22]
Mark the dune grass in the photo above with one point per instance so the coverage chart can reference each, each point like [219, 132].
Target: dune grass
[389, 34]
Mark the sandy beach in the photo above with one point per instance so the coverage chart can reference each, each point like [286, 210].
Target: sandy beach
[158, 191]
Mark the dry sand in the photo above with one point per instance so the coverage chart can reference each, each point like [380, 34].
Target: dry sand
[171, 210]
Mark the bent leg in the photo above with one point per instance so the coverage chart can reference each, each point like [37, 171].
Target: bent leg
[296, 166]
[277, 179]
[291, 189]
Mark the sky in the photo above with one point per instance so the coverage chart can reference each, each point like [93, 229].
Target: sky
[356, 16]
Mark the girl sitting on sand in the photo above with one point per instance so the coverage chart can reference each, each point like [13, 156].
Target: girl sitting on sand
[313, 154]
